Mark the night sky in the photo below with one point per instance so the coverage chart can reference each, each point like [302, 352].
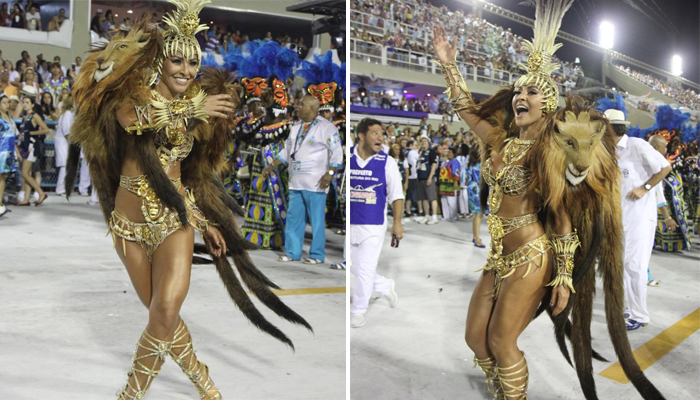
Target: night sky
[672, 29]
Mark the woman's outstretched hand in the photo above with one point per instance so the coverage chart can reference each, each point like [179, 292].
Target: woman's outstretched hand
[218, 105]
[444, 51]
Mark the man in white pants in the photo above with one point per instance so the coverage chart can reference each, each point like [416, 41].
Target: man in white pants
[374, 182]
[642, 169]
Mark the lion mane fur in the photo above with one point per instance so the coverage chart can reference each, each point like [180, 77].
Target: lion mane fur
[595, 210]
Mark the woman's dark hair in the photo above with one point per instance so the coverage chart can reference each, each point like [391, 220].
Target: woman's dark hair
[474, 156]
[501, 101]
[464, 149]
[619, 129]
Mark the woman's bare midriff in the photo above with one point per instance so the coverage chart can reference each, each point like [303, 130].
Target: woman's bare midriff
[128, 204]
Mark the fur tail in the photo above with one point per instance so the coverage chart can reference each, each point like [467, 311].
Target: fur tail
[228, 200]
[243, 302]
[611, 268]
[72, 164]
[581, 333]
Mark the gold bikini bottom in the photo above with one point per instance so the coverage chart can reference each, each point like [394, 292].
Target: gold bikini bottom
[528, 254]
[159, 220]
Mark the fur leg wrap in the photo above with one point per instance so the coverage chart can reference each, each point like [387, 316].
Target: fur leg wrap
[147, 365]
[182, 352]
[514, 380]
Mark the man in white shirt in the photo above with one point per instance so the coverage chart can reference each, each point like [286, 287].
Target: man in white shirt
[375, 181]
[313, 153]
[34, 19]
[642, 169]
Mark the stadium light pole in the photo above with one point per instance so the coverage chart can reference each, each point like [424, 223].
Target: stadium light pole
[607, 35]
[607, 38]
[676, 65]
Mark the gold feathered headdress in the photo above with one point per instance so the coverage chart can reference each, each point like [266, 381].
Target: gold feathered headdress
[181, 27]
[548, 16]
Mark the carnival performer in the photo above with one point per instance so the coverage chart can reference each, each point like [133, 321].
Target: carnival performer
[266, 208]
[8, 147]
[668, 237]
[154, 141]
[375, 182]
[520, 128]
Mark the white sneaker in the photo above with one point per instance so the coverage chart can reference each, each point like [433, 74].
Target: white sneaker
[406, 220]
[3, 210]
[357, 320]
[432, 221]
[419, 219]
[392, 296]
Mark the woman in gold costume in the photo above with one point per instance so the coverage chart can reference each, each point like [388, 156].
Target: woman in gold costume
[538, 162]
[154, 140]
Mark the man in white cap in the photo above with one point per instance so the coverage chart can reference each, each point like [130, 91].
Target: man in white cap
[642, 169]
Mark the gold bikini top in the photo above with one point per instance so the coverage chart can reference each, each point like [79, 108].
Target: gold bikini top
[512, 179]
[172, 144]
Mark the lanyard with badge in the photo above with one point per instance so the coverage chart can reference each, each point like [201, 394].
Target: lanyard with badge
[301, 136]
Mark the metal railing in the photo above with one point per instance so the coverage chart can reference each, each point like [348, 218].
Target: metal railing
[376, 53]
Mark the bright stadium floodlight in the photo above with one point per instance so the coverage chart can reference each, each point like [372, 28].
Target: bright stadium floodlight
[607, 35]
[676, 65]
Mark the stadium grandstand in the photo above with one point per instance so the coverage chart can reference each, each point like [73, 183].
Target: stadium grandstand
[391, 39]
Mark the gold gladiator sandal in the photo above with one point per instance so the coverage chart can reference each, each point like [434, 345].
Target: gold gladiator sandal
[148, 358]
[488, 365]
[509, 377]
[182, 352]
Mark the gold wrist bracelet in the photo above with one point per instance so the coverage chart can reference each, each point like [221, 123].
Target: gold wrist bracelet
[564, 246]
[454, 80]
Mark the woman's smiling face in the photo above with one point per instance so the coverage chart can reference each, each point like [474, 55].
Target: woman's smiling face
[527, 105]
[178, 73]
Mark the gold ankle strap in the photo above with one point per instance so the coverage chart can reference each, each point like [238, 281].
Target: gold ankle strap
[488, 366]
[155, 348]
[506, 379]
[193, 368]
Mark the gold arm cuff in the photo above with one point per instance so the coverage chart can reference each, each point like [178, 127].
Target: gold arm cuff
[564, 246]
[460, 99]
[143, 121]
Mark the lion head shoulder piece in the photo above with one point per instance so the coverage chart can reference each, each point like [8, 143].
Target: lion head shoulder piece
[179, 35]
[548, 16]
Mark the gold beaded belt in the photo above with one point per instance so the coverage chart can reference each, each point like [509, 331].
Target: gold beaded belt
[159, 220]
[504, 266]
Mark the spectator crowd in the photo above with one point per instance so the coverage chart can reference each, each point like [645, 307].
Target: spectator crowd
[408, 25]
[26, 14]
[685, 97]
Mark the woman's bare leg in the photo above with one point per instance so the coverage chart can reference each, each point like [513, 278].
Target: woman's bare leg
[27, 178]
[162, 286]
[476, 227]
[3, 178]
[516, 305]
[479, 315]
